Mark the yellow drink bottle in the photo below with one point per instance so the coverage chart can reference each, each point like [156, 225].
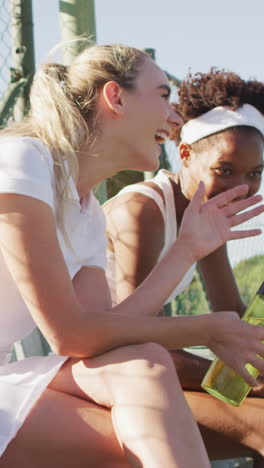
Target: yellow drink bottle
[222, 381]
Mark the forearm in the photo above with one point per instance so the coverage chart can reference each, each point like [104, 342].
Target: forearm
[220, 283]
[112, 330]
[150, 296]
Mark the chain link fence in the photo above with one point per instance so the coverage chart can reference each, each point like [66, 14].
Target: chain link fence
[16, 58]
[5, 51]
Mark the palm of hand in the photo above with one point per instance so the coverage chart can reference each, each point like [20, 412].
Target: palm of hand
[206, 226]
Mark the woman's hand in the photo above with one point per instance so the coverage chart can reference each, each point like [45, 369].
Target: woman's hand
[237, 343]
[258, 391]
[206, 226]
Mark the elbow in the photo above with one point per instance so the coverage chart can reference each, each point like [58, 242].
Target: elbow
[60, 344]
[72, 348]
[59, 347]
[74, 341]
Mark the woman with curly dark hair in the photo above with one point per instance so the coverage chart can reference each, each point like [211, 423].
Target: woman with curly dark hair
[220, 142]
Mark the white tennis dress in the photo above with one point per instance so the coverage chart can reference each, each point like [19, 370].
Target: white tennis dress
[168, 211]
[26, 167]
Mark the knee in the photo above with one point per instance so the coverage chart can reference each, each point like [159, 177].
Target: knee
[150, 358]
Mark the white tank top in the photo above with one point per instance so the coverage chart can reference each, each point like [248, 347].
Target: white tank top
[168, 211]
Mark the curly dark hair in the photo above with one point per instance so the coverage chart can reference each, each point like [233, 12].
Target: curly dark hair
[201, 92]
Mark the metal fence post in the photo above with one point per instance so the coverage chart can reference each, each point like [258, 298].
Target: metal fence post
[77, 17]
[22, 52]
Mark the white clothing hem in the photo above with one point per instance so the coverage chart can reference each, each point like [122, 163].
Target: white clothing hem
[21, 385]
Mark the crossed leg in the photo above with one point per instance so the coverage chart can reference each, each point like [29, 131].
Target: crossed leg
[68, 430]
[150, 415]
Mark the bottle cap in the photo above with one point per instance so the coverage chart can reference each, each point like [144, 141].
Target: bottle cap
[261, 289]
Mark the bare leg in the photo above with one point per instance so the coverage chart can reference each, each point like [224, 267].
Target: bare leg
[62, 429]
[65, 431]
[229, 431]
[151, 417]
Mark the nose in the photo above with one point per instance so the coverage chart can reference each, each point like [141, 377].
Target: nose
[239, 180]
[175, 118]
[176, 122]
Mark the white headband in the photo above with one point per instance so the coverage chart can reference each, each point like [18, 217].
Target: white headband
[219, 119]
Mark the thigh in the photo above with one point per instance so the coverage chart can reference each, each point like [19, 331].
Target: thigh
[228, 431]
[65, 431]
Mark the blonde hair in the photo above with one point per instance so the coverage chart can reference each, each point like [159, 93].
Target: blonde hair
[63, 105]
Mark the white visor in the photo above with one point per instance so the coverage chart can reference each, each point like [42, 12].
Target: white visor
[220, 118]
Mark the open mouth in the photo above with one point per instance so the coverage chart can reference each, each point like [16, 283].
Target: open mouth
[161, 136]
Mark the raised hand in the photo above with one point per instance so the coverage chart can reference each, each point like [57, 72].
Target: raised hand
[206, 226]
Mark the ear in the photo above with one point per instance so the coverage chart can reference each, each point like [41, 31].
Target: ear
[113, 97]
[185, 153]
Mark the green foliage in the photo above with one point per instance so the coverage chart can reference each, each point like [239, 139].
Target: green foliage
[192, 301]
[122, 179]
[249, 275]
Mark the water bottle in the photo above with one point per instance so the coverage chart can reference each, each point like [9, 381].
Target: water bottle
[222, 381]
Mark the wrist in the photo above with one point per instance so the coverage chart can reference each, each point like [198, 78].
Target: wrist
[184, 250]
[210, 328]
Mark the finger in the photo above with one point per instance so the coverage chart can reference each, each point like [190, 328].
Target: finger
[259, 385]
[244, 233]
[260, 349]
[237, 206]
[245, 216]
[258, 363]
[198, 196]
[226, 197]
[249, 379]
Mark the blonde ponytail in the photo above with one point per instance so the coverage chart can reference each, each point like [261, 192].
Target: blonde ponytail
[63, 105]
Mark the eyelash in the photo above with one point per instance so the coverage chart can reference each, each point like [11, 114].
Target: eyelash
[221, 170]
[256, 173]
[228, 172]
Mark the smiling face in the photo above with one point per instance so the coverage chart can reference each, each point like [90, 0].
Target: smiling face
[223, 161]
[149, 117]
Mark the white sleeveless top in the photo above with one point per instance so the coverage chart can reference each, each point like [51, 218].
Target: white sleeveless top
[168, 211]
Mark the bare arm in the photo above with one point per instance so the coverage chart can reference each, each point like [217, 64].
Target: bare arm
[135, 230]
[28, 232]
[139, 216]
[223, 294]
[220, 282]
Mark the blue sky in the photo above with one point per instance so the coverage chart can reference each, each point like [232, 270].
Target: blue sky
[187, 34]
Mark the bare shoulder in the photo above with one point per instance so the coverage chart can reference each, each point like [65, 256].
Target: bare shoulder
[132, 210]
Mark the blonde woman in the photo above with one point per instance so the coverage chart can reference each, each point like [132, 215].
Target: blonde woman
[107, 112]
